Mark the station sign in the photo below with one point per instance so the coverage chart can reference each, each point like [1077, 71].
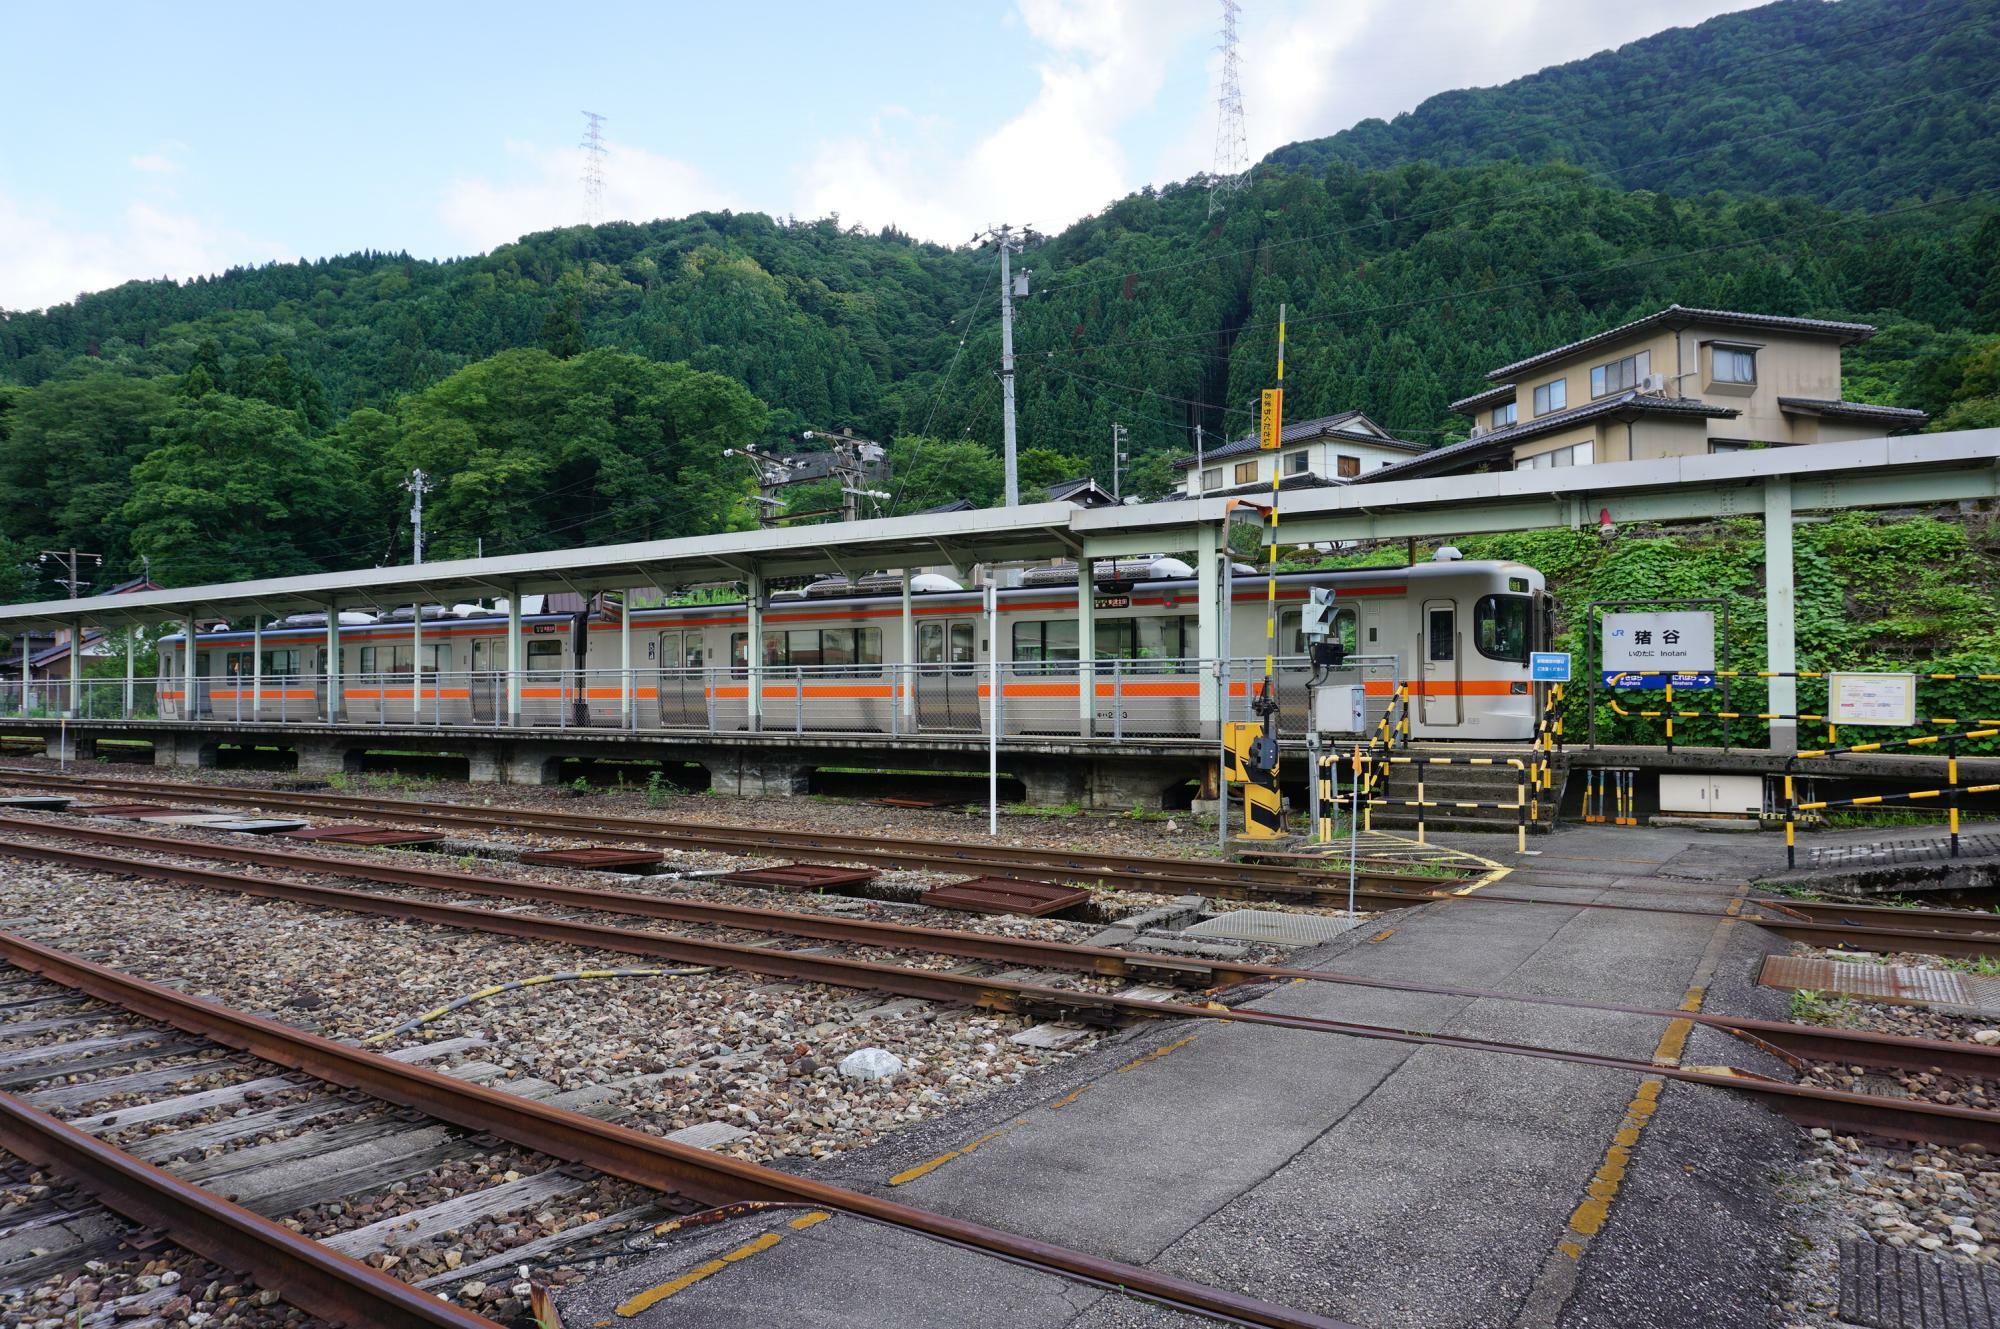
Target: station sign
[1549, 666]
[1652, 650]
[1872, 699]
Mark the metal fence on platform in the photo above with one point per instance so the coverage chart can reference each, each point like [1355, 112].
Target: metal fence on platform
[1108, 699]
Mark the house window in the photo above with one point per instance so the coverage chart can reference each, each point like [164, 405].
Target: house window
[1295, 462]
[1503, 415]
[1577, 454]
[1246, 472]
[1211, 478]
[1621, 375]
[1734, 364]
[1552, 396]
[1728, 444]
[1349, 467]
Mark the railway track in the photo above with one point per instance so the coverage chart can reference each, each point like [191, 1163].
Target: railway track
[1798, 1041]
[1832, 925]
[1900, 1118]
[315, 1275]
[1137, 872]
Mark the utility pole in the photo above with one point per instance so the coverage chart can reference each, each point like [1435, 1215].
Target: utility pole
[1198, 457]
[1118, 458]
[1010, 286]
[70, 558]
[418, 484]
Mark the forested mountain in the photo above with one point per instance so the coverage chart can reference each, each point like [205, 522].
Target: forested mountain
[583, 384]
[1857, 103]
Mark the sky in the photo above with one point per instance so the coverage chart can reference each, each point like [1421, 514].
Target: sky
[152, 140]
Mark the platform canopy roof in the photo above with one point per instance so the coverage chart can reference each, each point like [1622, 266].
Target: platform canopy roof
[1871, 473]
[989, 535]
[1868, 473]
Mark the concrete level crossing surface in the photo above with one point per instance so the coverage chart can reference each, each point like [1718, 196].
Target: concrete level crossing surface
[1372, 1182]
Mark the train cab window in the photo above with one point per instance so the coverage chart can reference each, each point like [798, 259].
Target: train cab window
[1346, 630]
[1500, 627]
[1046, 646]
[1441, 633]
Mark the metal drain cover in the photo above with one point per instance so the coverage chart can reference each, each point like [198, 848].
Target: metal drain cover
[1272, 926]
[1885, 1287]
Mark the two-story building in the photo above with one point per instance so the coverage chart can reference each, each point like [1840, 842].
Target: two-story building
[1677, 383]
[1330, 449]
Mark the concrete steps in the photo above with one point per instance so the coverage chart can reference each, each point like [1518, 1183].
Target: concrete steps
[1447, 784]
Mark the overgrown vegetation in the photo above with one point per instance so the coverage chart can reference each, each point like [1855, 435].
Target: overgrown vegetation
[1900, 593]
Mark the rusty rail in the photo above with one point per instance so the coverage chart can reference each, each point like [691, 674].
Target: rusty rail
[1907, 1119]
[311, 1277]
[1882, 1050]
[618, 1151]
[1224, 880]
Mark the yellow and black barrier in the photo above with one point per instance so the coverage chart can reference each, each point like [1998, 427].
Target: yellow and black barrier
[1951, 791]
[1609, 795]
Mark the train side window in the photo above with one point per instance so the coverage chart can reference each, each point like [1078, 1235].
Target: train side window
[1114, 639]
[542, 655]
[963, 651]
[1046, 646]
[930, 643]
[739, 652]
[1500, 627]
[1441, 633]
[283, 662]
[868, 648]
[836, 646]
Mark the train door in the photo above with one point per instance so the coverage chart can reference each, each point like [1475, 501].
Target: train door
[681, 688]
[204, 685]
[1439, 652]
[488, 677]
[948, 675]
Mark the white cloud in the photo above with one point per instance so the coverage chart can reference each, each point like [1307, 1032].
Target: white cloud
[1059, 158]
[1317, 67]
[47, 258]
[546, 191]
[162, 160]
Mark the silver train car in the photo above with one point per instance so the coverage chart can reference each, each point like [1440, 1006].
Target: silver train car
[1458, 632]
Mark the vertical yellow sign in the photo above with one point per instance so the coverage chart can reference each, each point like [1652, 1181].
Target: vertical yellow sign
[1272, 427]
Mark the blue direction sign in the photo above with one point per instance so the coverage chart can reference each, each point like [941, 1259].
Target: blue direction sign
[1633, 678]
[1549, 666]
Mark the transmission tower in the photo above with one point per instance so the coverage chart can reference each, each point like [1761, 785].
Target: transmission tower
[593, 168]
[1232, 145]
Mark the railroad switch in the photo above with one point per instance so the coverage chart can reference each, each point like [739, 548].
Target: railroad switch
[1180, 973]
[1075, 1012]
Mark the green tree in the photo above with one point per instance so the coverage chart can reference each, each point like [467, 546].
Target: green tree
[535, 452]
[234, 489]
[927, 472]
[1038, 468]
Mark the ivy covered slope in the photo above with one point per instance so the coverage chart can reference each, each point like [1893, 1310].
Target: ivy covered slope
[1860, 103]
[1894, 592]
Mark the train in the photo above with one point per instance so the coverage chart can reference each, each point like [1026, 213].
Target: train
[1458, 632]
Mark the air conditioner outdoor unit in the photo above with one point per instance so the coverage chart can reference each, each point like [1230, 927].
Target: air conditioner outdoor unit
[1477, 430]
[1656, 384]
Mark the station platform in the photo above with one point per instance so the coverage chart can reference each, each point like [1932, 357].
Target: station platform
[1370, 1182]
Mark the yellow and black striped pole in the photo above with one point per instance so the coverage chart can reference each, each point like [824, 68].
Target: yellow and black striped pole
[1263, 810]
